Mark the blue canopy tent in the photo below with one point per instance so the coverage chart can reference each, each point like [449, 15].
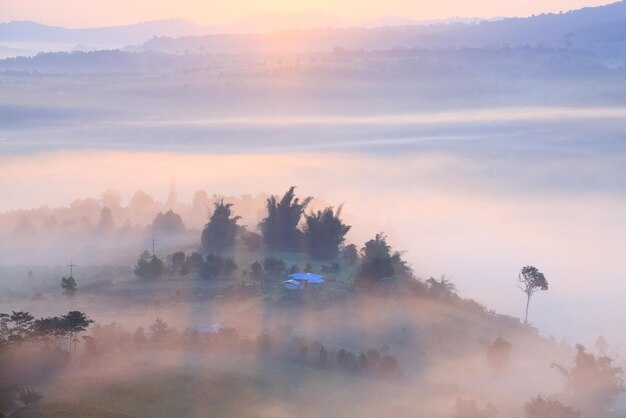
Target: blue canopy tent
[308, 279]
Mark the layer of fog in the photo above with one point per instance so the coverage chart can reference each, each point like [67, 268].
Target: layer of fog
[475, 219]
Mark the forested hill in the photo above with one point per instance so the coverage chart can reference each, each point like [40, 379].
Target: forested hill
[587, 29]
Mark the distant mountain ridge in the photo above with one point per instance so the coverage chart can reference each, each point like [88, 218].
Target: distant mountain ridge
[29, 38]
[592, 29]
[28, 31]
[600, 31]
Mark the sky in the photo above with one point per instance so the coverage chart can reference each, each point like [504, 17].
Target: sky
[81, 13]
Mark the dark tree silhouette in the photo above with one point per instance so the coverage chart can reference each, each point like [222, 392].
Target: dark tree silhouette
[15, 327]
[350, 253]
[69, 286]
[280, 227]
[531, 280]
[442, 288]
[149, 267]
[177, 260]
[51, 328]
[194, 261]
[216, 266]
[219, 234]
[75, 322]
[159, 329]
[324, 232]
[375, 264]
[169, 224]
[379, 262]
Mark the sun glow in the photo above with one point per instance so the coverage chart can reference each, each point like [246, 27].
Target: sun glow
[75, 13]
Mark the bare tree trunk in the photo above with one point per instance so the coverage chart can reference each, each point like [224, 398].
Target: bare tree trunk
[527, 303]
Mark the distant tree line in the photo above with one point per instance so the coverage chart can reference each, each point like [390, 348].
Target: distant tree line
[20, 327]
[209, 266]
[27, 345]
[278, 342]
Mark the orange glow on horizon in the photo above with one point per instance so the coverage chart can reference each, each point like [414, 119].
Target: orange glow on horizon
[75, 13]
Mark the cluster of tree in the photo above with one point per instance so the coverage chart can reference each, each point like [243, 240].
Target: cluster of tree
[114, 337]
[11, 395]
[168, 223]
[321, 235]
[108, 217]
[69, 286]
[213, 265]
[593, 382]
[21, 326]
[379, 266]
[280, 227]
[279, 343]
[218, 266]
[21, 329]
[371, 363]
[150, 266]
[274, 268]
[183, 264]
[324, 232]
[539, 407]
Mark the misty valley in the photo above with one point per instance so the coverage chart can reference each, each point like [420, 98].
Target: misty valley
[225, 320]
[308, 215]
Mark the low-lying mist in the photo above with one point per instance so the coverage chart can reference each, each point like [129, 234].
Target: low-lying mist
[476, 220]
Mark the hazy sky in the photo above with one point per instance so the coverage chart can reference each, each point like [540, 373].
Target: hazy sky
[81, 13]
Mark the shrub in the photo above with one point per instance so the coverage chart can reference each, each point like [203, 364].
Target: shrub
[548, 408]
[28, 396]
[274, 267]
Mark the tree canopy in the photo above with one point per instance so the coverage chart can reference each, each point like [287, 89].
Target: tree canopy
[531, 280]
[324, 232]
[220, 232]
[69, 286]
[280, 227]
[379, 262]
[149, 267]
[168, 223]
[593, 382]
